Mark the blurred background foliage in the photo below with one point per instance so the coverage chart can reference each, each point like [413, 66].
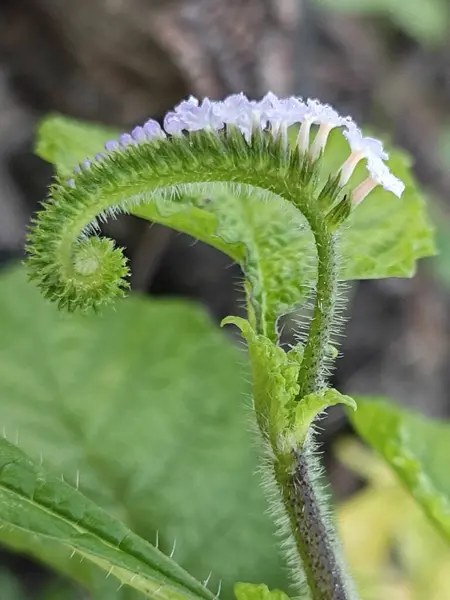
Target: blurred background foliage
[427, 21]
[385, 62]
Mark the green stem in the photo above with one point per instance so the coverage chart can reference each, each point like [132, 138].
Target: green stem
[297, 475]
[313, 369]
[315, 541]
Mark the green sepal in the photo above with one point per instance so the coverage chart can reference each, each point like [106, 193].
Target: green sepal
[253, 591]
[330, 192]
[339, 213]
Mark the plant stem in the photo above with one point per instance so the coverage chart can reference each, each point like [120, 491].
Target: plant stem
[314, 539]
[311, 376]
[297, 475]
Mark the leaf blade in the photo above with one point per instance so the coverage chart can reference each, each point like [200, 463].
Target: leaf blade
[152, 461]
[38, 504]
[416, 448]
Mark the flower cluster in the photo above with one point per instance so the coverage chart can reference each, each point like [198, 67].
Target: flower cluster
[274, 115]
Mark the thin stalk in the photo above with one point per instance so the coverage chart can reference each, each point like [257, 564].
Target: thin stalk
[297, 475]
[314, 539]
[311, 376]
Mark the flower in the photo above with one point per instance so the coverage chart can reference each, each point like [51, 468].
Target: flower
[138, 134]
[126, 140]
[379, 174]
[112, 146]
[86, 164]
[361, 147]
[189, 115]
[284, 113]
[153, 130]
[327, 118]
[273, 116]
[247, 115]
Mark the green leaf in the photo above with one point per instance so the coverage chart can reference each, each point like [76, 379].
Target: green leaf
[416, 448]
[311, 406]
[274, 377]
[252, 591]
[40, 505]
[146, 406]
[267, 236]
[66, 142]
[284, 417]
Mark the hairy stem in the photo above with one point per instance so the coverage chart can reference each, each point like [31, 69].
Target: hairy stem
[314, 539]
[296, 477]
[311, 377]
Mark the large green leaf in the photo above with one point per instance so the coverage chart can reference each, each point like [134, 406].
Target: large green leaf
[416, 448]
[146, 406]
[267, 236]
[35, 505]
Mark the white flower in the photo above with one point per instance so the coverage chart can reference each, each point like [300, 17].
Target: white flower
[379, 174]
[189, 115]
[327, 118]
[368, 146]
[238, 110]
[277, 114]
[285, 112]
[320, 114]
[361, 147]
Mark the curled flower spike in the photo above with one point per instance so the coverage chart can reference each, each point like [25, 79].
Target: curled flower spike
[271, 116]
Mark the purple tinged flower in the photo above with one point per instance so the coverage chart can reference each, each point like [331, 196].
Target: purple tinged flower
[245, 114]
[126, 140]
[86, 164]
[189, 115]
[138, 134]
[185, 105]
[77, 169]
[71, 183]
[173, 124]
[153, 130]
[231, 110]
[112, 146]
[285, 112]
[100, 156]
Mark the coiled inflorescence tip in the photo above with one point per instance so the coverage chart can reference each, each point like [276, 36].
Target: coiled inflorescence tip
[82, 272]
